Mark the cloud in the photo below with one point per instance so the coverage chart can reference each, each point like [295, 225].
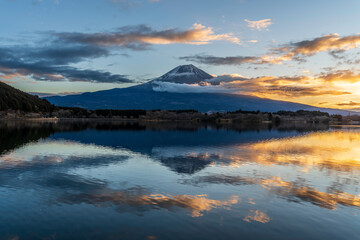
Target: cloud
[293, 91]
[340, 76]
[331, 43]
[80, 75]
[44, 94]
[351, 103]
[44, 72]
[140, 37]
[265, 86]
[212, 60]
[52, 63]
[297, 51]
[188, 88]
[288, 190]
[226, 78]
[257, 216]
[137, 199]
[60, 54]
[260, 24]
[54, 54]
[295, 86]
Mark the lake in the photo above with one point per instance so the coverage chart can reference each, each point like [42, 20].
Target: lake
[101, 180]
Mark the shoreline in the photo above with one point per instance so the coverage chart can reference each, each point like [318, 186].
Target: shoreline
[191, 116]
[220, 121]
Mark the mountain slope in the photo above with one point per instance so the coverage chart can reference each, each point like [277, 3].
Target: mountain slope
[14, 99]
[144, 97]
[188, 74]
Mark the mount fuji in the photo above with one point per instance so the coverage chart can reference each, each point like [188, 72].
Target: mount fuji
[148, 96]
[186, 74]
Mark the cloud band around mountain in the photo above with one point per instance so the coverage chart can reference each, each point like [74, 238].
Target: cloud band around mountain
[298, 86]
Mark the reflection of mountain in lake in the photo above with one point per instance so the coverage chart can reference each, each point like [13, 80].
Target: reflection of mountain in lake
[184, 151]
[144, 138]
[14, 136]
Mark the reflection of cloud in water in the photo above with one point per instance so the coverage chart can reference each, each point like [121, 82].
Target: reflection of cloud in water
[332, 150]
[309, 194]
[137, 199]
[52, 152]
[257, 216]
[292, 191]
[337, 150]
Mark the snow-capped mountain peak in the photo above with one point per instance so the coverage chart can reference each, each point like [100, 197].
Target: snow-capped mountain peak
[185, 74]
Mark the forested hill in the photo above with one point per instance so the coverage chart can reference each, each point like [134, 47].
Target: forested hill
[14, 99]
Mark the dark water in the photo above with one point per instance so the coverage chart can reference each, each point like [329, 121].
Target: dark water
[99, 180]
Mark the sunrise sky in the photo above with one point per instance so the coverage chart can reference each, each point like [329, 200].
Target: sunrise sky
[301, 51]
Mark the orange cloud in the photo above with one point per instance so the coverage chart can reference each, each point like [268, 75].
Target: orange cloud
[257, 216]
[134, 198]
[288, 190]
[322, 199]
[341, 76]
[333, 152]
[260, 24]
[298, 50]
[138, 37]
[351, 103]
[297, 86]
[331, 43]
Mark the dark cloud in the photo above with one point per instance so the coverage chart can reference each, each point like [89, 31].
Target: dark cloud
[74, 74]
[294, 91]
[51, 63]
[212, 60]
[59, 55]
[351, 103]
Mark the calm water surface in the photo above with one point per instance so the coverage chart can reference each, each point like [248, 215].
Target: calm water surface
[133, 181]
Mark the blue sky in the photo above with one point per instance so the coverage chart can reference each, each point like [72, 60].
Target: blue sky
[32, 26]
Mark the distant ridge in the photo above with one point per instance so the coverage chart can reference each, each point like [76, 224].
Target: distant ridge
[144, 97]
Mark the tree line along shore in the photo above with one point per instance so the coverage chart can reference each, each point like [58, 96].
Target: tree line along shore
[180, 115]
